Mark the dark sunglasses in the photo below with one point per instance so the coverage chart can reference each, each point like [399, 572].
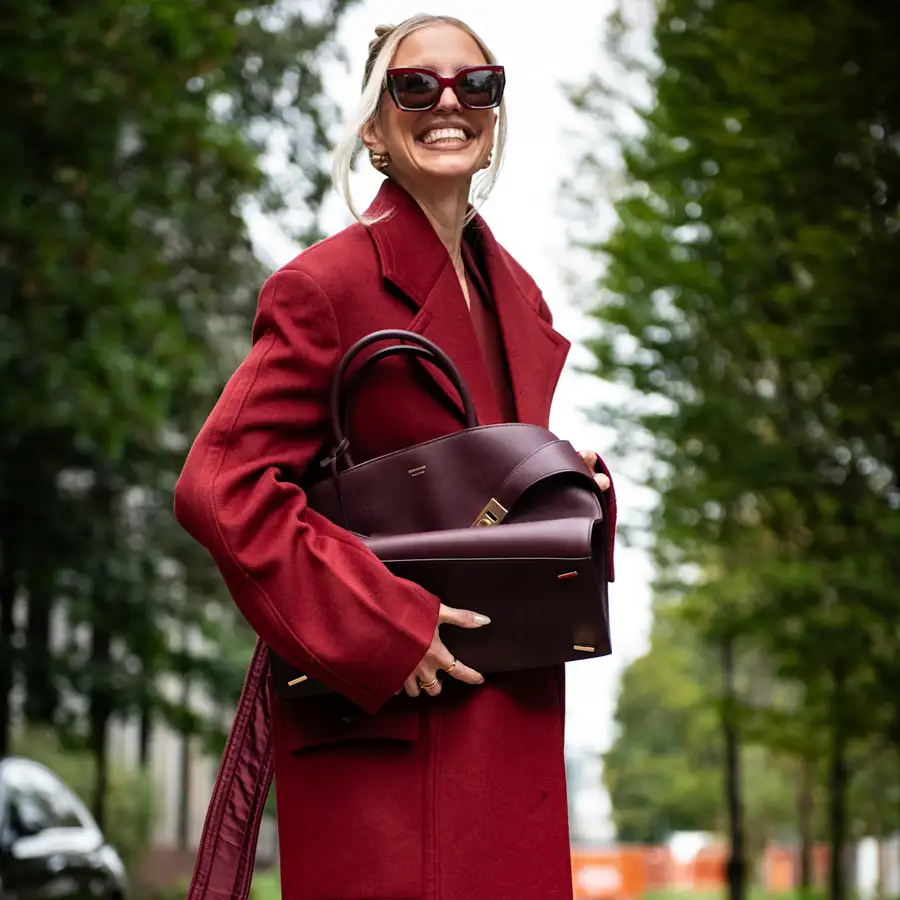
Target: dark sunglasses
[476, 87]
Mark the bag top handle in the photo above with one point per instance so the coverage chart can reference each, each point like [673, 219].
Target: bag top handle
[429, 350]
[355, 377]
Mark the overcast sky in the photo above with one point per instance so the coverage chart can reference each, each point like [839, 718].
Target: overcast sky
[540, 50]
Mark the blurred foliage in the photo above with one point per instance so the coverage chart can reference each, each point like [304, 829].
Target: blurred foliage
[132, 137]
[664, 771]
[265, 886]
[131, 794]
[747, 303]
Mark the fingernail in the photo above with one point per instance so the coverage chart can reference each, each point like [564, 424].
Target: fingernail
[479, 619]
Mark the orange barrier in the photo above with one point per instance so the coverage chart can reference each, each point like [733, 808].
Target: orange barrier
[628, 871]
[621, 872]
[607, 875]
[780, 867]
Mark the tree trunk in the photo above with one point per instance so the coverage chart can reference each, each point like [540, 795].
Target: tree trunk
[9, 562]
[184, 805]
[37, 664]
[837, 789]
[737, 867]
[146, 728]
[879, 859]
[100, 713]
[805, 825]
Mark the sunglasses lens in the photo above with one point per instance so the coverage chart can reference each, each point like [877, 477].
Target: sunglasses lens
[480, 88]
[415, 90]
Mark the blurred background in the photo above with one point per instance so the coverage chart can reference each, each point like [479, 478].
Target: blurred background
[708, 192]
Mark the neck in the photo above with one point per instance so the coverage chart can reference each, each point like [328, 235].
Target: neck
[446, 211]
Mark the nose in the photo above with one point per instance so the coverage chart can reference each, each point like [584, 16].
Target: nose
[449, 101]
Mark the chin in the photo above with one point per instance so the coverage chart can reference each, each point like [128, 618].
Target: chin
[458, 169]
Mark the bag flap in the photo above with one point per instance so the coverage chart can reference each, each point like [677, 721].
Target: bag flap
[556, 539]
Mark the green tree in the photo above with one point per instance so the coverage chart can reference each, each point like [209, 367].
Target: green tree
[664, 770]
[131, 137]
[746, 293]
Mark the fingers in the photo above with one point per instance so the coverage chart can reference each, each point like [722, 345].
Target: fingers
[432, 687]
[411, 686]
[425, 678]
[462, 618]
[454, 668]
[589, 457]
[590, 460]
[462, 672]
[426, 682]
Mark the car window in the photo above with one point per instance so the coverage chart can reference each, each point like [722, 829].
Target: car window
[39, 801]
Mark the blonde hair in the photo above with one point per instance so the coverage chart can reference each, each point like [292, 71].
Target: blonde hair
[381, 52]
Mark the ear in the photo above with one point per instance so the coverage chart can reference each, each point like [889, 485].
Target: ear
[370, 134]
[494, 132]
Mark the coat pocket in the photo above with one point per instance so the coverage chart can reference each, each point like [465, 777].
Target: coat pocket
[315, 722]
[350, 799]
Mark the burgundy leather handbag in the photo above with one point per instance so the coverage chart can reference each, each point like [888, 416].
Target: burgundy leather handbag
[505, 519]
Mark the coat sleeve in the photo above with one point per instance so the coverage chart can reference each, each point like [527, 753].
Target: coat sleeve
[612, 508]
[314, 593]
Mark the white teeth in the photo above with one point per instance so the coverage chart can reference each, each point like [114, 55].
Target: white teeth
[444, 134]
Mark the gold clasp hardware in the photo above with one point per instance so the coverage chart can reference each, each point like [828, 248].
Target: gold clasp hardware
[299, 680]
[583, 648]
[418, 470]
[492, 514]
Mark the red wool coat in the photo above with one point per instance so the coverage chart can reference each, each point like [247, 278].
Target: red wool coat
[383, 797]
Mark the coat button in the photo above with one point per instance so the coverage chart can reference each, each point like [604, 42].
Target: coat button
[348, 720]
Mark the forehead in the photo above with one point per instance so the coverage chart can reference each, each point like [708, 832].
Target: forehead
[442, 47]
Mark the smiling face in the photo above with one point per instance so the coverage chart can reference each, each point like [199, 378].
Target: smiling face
[447, 143]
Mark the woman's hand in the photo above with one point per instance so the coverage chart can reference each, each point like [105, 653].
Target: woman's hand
[590, 460]
[425, 678]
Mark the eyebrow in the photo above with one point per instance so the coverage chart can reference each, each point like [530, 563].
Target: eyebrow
[437, 68]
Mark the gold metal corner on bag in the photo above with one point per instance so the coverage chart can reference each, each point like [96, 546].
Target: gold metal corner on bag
[299, 680]
[583, 648]
[493, 514]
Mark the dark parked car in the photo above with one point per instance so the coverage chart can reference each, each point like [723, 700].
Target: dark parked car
[50, 846]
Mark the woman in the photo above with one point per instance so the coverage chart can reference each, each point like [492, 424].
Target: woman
[417, 777]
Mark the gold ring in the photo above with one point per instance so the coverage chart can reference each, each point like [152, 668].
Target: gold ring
[425, 685]
[452, 666]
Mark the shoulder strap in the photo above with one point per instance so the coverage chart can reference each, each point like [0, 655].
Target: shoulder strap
[224, 866]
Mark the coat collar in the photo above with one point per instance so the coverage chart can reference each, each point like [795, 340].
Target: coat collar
[414, 260]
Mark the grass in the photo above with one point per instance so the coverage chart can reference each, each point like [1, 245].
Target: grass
[266, 886]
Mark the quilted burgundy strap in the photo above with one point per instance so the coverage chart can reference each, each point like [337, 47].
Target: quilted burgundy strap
[224, 866]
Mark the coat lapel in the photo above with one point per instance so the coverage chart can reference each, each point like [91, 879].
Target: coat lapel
[415, 261]
[535, 353]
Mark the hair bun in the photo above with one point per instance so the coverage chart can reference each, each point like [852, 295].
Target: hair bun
[381, 32]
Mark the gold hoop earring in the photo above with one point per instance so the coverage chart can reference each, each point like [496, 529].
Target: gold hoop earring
[380, 161]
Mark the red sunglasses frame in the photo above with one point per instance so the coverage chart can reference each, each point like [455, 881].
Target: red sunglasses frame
[443, 83]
